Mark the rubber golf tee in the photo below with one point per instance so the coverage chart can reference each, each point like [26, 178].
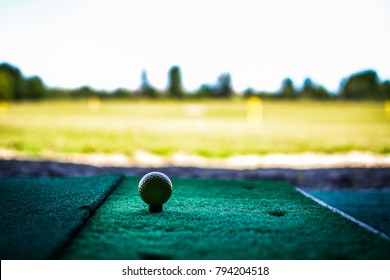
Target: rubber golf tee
[155, 208]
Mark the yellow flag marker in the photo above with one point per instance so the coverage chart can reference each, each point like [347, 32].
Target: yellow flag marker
[387, 108]
[254, 111]
[3, 108]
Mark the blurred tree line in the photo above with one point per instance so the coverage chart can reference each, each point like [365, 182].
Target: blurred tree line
[365, 85]
[13, 85]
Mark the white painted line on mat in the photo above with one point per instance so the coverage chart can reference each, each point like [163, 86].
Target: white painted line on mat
[345, 215]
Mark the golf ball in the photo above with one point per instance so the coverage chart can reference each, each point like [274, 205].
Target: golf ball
[155, 188]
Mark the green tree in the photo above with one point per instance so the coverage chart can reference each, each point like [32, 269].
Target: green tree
[6, 90]
[224, 86]
[308, 88]
[320, 93]
[146, 90]
[35, 89]
[313, 91]
[385, 89]
[82, 92]
[288, 90]
[249, 92]
[174, 84]
[16, 80]
[205, 91]
[222, 89]
[121, 93]
[362, 85]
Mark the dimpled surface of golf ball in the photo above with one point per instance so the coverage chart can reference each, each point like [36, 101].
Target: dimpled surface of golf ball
[155, 188]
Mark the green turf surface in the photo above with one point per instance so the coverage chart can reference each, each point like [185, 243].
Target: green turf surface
[40, 215]
[222, 219]
[369, 206]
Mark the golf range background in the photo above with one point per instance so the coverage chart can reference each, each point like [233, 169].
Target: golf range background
[104, 217]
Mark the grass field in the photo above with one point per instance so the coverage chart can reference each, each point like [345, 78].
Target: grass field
[213, 129]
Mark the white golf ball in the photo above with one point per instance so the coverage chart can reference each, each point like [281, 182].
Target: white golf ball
[155, 188]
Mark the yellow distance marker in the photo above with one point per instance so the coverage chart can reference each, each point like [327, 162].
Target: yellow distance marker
[254, 111]
[94, 104]
[3, 108]
[387, 108]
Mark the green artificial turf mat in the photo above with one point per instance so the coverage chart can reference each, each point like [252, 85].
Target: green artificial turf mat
[369, 206]
[40, 215]
[222, 219]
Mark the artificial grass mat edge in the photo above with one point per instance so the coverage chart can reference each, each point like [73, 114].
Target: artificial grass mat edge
[40, 216]
[369, 206]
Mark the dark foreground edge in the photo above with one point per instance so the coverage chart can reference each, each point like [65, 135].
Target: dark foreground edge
[328, 178]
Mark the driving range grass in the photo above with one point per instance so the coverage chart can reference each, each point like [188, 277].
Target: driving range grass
[207, 128]
[222, 219]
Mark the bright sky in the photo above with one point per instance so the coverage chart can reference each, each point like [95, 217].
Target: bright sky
[107, 44]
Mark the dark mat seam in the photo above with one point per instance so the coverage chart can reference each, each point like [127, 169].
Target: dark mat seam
[57, 253]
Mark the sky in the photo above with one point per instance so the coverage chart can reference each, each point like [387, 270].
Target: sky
[107, 44]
